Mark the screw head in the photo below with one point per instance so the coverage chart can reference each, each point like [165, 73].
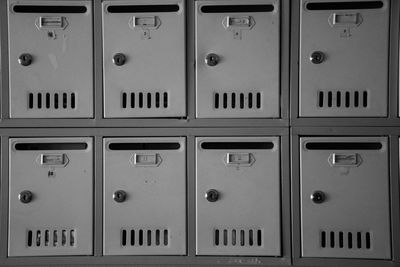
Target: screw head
[119, 196]
[317, 57]
[318, 197]
[212, 195]
[119, 59]
[25, 59]
[25, 196]
[212, 59]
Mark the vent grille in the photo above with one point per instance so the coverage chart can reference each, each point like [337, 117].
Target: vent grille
[54, 101]
[145, 237]
[238, 237]
[236, 100]
[345, 240]
[56, 238]
[343, 99]
[144, 100]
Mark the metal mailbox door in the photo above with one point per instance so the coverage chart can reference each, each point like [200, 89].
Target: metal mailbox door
[144, 58]
[238, 196]
[344, 58]
[50, 196]
[345, 197]
[237, 59]
[50, 59]
[144, 196]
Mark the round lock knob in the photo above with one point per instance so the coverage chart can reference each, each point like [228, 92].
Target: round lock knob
[317, 57]
[119, 59]
[119, 196]
[212, 195]
[25, 59]
[318, 197]
[25, 196]
[212, 60]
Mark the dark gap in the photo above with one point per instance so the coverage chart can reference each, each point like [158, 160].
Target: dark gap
[29, 238]
[251, 237]
[259, 238]
[38, 237]
[64, 100]
[157, 100]
[55, 238]
[237, 145]
[63, 237]
[47, 100]
[338, 99]
[56, 101]
[350, 240]
[356, 100]
[341, 239]
[72, 238]
[321, 99]
[367, 240]
[332, 239]
[237, 8]
[233, 100]
[242, 101]
[132, 100]
[165, 237]
[165, 100]
[216, 100]
[359, 241]
[347, 99]
[225, 100]
[72, 100]
[49, 9]
[225, 237]
[233, 237]
[157, 237]
[365, 99]
[343, 146]
[144, 146]
[250, 100]
[46, 238]
[258, 101]
[323, 239]
[148, 237]
[132, 237]
[140, 100]
[242, 238]
[143, 8]
[123, 237]
[140, 237]
[39, 100]
[123, 100]
[51, 146]
[148, 100]
[330, 99]
[344, 5]
[30, 101]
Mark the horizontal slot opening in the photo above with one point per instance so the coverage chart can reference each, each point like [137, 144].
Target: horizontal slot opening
[143, 8]
[51, 146]
[144, 146]
[48, 9]
[237, 145]
[237, 8]
[343, 146]
[344, 5]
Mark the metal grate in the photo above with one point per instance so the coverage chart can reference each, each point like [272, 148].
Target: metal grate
[235, 100]
[51, 238]
[345, 240]
[343, 99]
[144, 237]
[142, 100]
[238, 237]
[51, 100]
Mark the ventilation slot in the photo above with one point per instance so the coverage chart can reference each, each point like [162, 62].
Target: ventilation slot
[237, 145]
[238, 237]
[343, 99]
[344, 146]
[144, 100]
[51, 238]
[345, 240]
[144, 237]
[51, 101]
[237, 101]
[344, 5]
[237, 8]
[143, 8]
[49, 9]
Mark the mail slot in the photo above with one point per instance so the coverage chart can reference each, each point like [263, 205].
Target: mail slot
[50, 196]
[344, 58]
[345, 197]
[144, 58]
[237, 59]
[50, 59]
[144, 196]
[233, 176]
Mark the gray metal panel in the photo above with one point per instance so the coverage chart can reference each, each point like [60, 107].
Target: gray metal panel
[156, 198]
[155, 61]
[355, 44]
[62, 199]
[249, 62]
[242, 188]
[62, 64]
[356, 185]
